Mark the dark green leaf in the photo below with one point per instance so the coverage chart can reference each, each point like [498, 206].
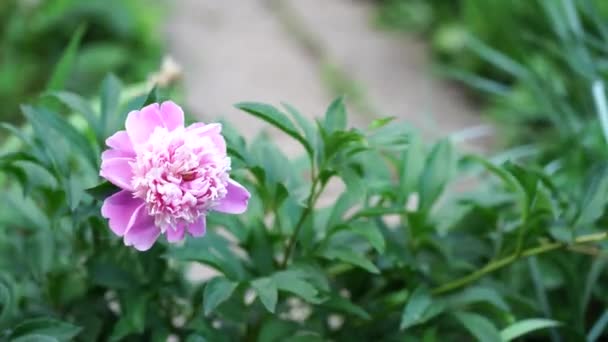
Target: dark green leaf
[103, 190]
[480, 327]
[217, 291]
[153, 97]
[266, 289]
[598, 327]
[67, 62]
[346, 306]
[419, 308]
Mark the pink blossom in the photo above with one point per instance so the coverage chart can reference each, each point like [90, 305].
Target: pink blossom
[170, 177]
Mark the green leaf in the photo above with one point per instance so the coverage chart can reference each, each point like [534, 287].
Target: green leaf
[346, 306]
[274, 330]
[133, 318]
[310, 131]
[67, 62]
[526, 326]
[410, 168]
[594, 199]
[371, 233]
[102, 190]
[79, 105]
[214, 250]
[419, 308]
[61, 331]
[110, 99]
[350, 257]
[478, 294]
[335, 116]
[496, 58]
[480, 327]
[59, 124]
[296, 283]
[7, 298]
[35, 338]
[217, 291]
[276, 118]
[598, 327]
[153, 97]
[436, 173]
[267, 291]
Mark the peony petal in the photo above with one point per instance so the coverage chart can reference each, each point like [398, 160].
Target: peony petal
[141, 233]
[111, 154]
[213, 131]
[177, 234]
[121, 141]
[119, 209]
[198, 228]
[118, 172]
[235, 201]
[172, 115]
[141, 123]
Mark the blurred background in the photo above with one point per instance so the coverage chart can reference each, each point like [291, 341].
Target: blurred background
[440, 66]
[305, 53]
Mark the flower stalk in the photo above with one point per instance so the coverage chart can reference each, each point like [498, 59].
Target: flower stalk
[500, 263]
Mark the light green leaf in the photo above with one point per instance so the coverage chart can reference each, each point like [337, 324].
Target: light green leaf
[296, 283]
[350, 257]
[79, 105]
[61, 331]
[478, 294]
[335, 116]
[598, 327]
[594, 199]
[436, 173]
[267, 291]
[214, 250]
[419, 308]
[370, 232]
[217, 291]
[411, 167]
[67, 62]
[526, 326]
[276, 118]
[478, 326]
[35, 338]
[110, 99]
[59, 124]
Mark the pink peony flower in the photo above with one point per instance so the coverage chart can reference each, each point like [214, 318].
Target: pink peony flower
[170, 177]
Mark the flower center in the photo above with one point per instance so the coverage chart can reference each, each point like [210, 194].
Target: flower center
[180, 175]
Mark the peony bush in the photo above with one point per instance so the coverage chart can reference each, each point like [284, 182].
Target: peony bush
[104, 212]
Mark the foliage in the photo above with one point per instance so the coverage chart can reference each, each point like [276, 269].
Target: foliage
[395, 255]
[118, 36]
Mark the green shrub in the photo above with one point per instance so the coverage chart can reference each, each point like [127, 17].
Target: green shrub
[119, 36]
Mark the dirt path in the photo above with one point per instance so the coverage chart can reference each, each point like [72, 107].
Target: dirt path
[235, 50]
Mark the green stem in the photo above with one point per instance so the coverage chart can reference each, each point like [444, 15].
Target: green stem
[312, 197]
[498, 264]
